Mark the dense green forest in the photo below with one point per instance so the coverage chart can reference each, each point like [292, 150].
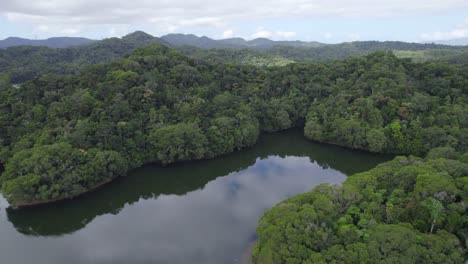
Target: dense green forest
[235, 56]
[358, 48]
[61, 135]
[23, 63]
[458, 56]
[55, 42]
[180, 40]
[409, 210]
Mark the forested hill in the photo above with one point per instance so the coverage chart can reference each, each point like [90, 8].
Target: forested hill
[233, 43]
[59, 42]
[23, 63]
[63, 135]
[409, 210]
[344, 50]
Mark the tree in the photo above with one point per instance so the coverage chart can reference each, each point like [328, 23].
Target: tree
[376, 139]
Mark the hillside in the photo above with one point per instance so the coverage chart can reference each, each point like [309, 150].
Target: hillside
[64, 135]
[60, 42]
[454, 42]
[409, 210]
[232, 43]
[23, 63]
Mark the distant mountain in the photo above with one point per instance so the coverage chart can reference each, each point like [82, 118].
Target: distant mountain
[296, 49]
[23, 63]
[141, 38]
[454, 42]
[343, 50]
[192, 40]
[232, 43]
[59, 42]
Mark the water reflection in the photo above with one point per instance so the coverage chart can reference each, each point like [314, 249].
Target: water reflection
[185, 213]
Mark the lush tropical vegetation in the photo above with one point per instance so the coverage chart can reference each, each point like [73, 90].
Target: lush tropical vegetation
[22, 63]
[61, 135]
[454, 56]
[409, 210]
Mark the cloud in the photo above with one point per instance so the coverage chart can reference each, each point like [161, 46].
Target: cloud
[460, 31]
[264, 33]
[229, 33]
[167, 15]
[354, 36]
[285, 34]
[119, 30]
[328, 35]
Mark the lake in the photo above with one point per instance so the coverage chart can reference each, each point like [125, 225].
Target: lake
[193, 212]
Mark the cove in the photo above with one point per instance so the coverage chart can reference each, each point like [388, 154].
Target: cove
[194, 212]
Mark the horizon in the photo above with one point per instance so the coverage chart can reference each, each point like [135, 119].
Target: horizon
[332, 21]
[233, 37]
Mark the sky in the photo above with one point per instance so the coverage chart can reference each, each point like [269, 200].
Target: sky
[328, 21]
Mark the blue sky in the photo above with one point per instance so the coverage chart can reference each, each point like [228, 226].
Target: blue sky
[327, 21]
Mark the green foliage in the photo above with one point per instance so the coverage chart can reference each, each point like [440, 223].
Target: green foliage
[178, 143]
[157, 105]
[407, 210]
[58, 171]
[384, 104]
[453, 56]
[244, 56]
[24, 63]
[432, 52]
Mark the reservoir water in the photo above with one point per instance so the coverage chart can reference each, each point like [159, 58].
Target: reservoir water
[195, 212]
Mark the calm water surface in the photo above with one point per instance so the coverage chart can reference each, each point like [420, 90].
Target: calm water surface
[195, 212]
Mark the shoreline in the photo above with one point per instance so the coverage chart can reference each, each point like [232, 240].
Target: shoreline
[58, 200]
[247, 254]
[24, 205]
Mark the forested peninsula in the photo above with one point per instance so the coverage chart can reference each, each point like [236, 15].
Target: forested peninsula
[62, 135]
[409, 210]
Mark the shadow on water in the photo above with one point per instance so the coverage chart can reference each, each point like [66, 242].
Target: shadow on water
[152, 180]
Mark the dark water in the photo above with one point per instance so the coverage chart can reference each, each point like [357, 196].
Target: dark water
[196, 212]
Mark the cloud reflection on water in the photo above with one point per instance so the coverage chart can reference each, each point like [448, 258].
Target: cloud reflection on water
[208, 225]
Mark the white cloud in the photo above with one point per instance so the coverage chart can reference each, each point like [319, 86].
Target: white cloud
[354, 36]
[170, 14]
[229, 33]
[278, 35]
[460, 31]
[285, 34]
[328, 35]
[119, 30]
[262, 33]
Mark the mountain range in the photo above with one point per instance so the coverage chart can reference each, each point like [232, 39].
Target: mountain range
[177, 40]
[454, 42]
[170, 40]
[58, 42]
[27, 60]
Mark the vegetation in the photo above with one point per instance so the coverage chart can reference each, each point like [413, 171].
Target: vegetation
[235, 56]
[157, 105]
[232, 43]
[60, 42]
[67, 129]
[382, 104]
[458, 56]
[23, 63]
[358, 48]
[409, 210]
